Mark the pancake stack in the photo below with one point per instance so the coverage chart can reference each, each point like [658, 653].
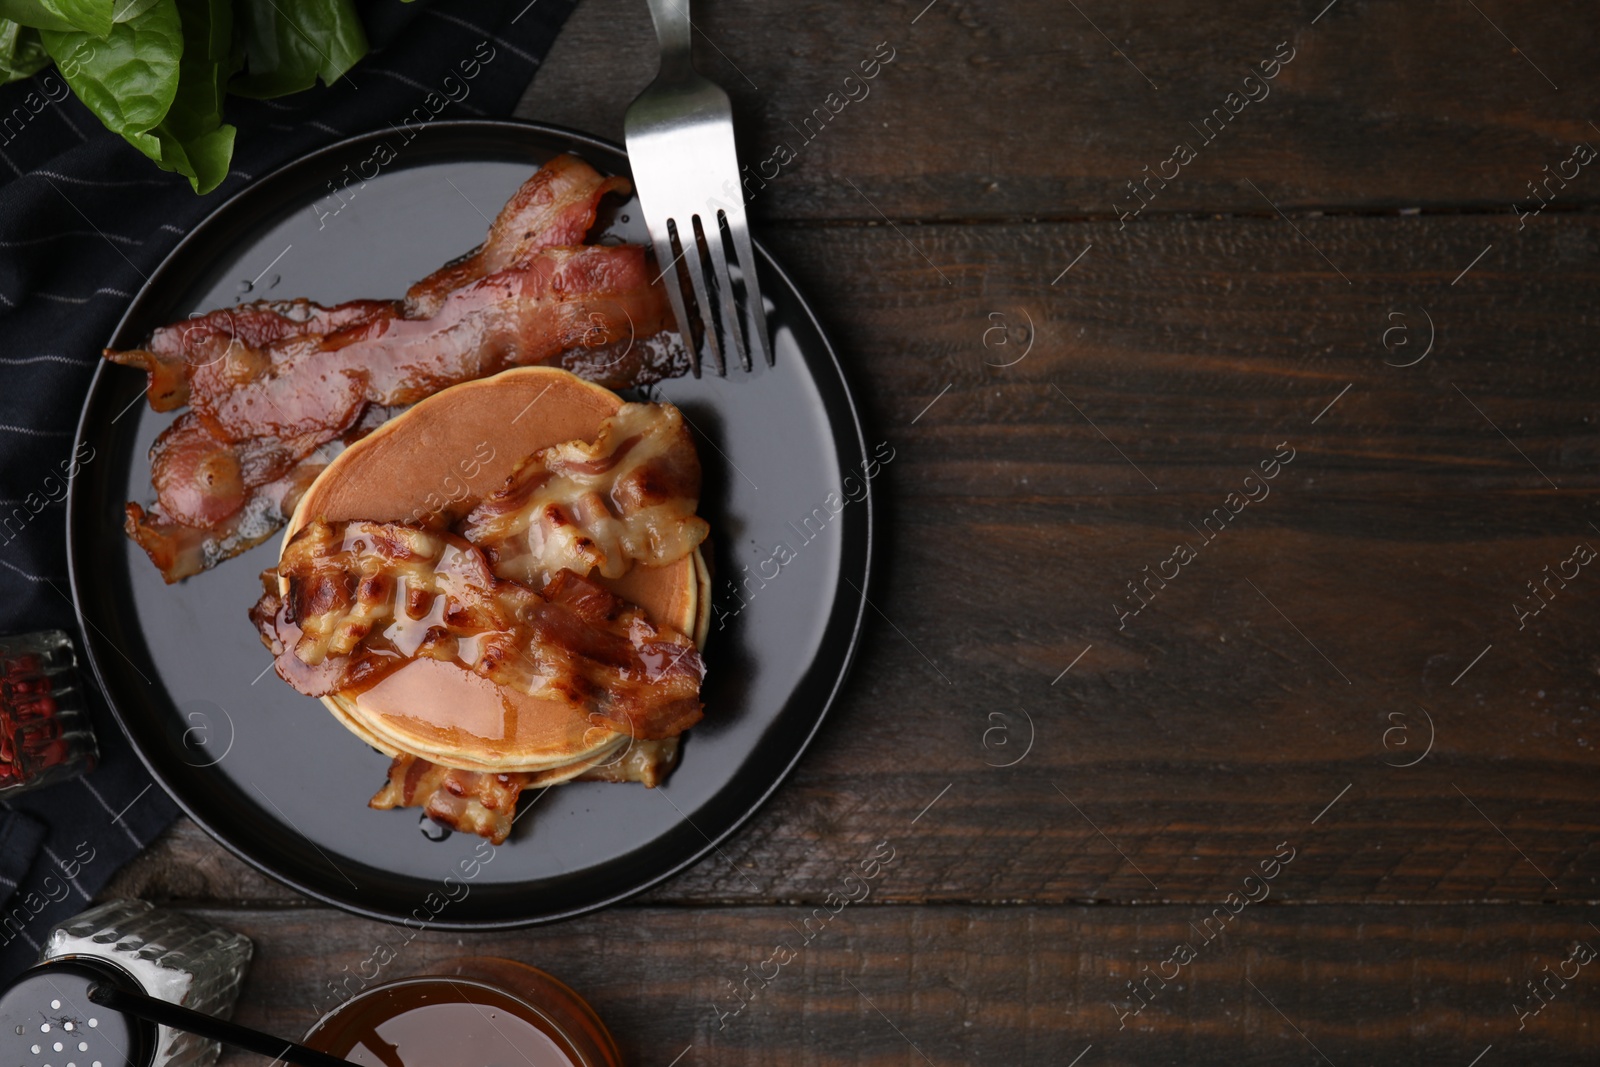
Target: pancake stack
[434, 463]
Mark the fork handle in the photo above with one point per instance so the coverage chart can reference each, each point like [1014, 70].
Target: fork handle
[673, 32]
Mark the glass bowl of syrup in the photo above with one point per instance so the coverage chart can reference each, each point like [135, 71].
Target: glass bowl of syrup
[477, 1012]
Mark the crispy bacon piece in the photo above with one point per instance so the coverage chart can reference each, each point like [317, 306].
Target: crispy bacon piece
[647, 762]
[179, 551]
[199, 477]
[556, 207]
[630, 495]
[271, 384]
[174, 352]
[561, 298]
[365, 597]
[483, 804]
[469, 801]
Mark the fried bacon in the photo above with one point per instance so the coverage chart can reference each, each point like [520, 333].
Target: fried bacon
[559, 299]
[271, 384]
[556, 207]
[469, 801]
[630, 495]
[248, 490]
[483, 803]
[365, 597]
[179, 550]
[174, 352]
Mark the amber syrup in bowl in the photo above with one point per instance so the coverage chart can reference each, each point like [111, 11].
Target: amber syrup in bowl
[478, 1012]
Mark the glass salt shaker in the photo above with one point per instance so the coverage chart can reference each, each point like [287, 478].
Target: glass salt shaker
[47, 1020]
[45, 735]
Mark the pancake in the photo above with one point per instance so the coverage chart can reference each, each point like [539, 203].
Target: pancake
[440, 458]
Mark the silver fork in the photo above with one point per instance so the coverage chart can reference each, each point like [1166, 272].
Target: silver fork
[686, 170]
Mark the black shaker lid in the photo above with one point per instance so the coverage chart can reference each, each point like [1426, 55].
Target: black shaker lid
[48, 1020]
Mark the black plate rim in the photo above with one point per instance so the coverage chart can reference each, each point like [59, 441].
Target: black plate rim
[770, 267]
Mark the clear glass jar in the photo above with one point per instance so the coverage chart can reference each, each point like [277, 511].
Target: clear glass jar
[45, 734]
[171, 955]
[472, 1011]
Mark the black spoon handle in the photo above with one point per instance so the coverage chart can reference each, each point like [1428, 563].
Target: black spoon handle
[229, 1033]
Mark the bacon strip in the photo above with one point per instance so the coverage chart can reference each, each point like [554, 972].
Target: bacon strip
[365, 597]
[179, 551]
[174, 352]
[256, 485]
[271, 384]
[483, 804]
[527, 314]
[557, 206]
[628, 496]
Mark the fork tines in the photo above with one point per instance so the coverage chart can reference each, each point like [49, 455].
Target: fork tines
[686, 170]
[683, 244]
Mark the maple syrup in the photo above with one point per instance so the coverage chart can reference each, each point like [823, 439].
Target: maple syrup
[477, 1013]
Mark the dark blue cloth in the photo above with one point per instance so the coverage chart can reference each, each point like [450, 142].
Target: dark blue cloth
[83, 219]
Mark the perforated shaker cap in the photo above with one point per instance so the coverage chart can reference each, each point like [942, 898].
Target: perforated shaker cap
[48, 1020]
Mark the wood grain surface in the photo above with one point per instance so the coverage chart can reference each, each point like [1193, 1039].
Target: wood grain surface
[1346, 663]
[1034, 108]
[1021, 984]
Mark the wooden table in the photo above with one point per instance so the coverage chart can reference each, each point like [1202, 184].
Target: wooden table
[1346, 681]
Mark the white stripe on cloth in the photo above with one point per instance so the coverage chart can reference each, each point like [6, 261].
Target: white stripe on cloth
[84, 299]
[90, 181]
[26, 241]
[418, 85]
[116, 817]
[9, 362]
[48, 851]
[31, 577]
[503, 43]
[34, 433]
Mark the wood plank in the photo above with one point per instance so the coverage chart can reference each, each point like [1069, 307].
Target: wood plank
[1339, 671]
[946, 985]
[1025, 109]
[1222, 718]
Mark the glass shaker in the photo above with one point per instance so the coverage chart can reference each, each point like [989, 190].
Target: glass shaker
[47, 1020]
[45, 735]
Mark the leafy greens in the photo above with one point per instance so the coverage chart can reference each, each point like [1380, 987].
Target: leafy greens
[156, 72]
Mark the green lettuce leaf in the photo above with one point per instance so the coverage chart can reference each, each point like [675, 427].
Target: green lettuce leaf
[289, 44]
[129, 78]
[21, 52]
[158, 79]
[157, 72]
[124, 10]
[192, 139]
[90, 16]
[38, 14]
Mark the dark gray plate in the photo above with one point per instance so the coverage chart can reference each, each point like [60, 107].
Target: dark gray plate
[270, 773]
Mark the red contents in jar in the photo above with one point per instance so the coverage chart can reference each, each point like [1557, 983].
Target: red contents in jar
[31, 739]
